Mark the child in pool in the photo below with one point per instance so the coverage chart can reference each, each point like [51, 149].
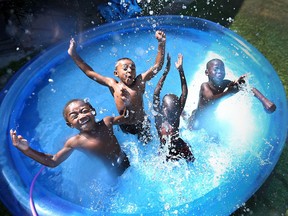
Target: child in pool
[212, 91]
[167, 118]
[216, 88]
[128, 92]
[95, 137]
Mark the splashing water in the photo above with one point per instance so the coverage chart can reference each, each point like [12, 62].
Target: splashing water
[227, 169]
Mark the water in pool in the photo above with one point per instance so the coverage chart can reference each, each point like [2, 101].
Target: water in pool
[227, 169]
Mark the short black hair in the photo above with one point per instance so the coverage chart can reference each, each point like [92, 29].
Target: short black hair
[120, 59]
[75, 100]
[212, 60]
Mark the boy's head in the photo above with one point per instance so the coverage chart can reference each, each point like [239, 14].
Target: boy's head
[215, 70]
[79, 114]
[125, 69]
[170, 107]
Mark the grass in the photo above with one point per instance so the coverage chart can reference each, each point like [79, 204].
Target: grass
[266, 31]
[262, 23]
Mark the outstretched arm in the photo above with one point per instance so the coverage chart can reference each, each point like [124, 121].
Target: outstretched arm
[156, 95]
[183, 97]
[269, 106]
[161, 37]
[45, 159]
[86, 68]
[208, 96]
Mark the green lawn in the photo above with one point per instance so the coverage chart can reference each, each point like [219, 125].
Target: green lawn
[264, 24]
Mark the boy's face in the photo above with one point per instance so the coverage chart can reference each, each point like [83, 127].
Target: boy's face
[79, 115]
[126, 71]
[216, 71]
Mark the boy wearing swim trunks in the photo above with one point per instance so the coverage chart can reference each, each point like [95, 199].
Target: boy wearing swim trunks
[167, 118]
[128, 92]
[95, 137]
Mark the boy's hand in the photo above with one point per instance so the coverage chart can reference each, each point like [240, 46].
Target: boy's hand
[18, 141]
[232, 87]
[126, 113]
[160, 36]
[179, 63]
[241, 79]
[125, 96]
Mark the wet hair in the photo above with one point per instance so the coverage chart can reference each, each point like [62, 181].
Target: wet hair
[170, 100]
[212, 60]
[125, 58]
[76, 100]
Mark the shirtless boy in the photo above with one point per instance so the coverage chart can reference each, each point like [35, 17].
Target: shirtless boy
[167, 119]
[128, 92]
[95, 137]
[216, 88]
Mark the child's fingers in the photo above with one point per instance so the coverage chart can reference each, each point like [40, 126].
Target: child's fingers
[11, 132]
[14, 137]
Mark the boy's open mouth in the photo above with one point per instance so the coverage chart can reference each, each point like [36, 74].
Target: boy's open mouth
[84, 121]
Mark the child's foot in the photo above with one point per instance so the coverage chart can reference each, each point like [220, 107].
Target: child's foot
[72, 47]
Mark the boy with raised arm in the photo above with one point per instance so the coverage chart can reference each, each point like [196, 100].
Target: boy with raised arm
[167, 118]
[95, 137]
[128, 92]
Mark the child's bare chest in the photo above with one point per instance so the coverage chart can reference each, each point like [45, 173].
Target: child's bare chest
[128, 96]
[168, 130]
[96, 141]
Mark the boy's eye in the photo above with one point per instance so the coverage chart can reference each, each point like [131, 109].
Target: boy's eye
[74, 116]
[125, 67]
[84, 111]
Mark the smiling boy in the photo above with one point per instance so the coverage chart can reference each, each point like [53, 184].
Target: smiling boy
[128, 92]
[95, 137]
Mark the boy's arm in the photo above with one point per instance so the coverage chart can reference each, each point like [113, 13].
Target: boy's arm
[207, 96]
[45, 159]
[149, 74]
[183, 97]
[121, 119]
[86, 68]
[156, 95]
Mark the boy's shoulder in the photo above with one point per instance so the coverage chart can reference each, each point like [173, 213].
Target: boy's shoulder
[205, 85]
[73, 141]
[107, 121]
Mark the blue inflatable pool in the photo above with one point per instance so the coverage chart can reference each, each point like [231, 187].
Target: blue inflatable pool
[225, 173]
